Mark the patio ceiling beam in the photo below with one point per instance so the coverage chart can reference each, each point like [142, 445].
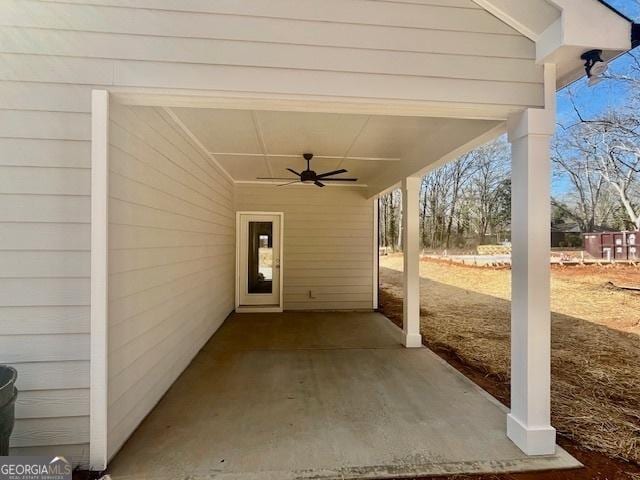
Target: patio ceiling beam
[298, 155]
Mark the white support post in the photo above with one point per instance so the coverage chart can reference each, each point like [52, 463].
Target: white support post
[528, 424]
[411, 249]
[376, 252]
[98, 455]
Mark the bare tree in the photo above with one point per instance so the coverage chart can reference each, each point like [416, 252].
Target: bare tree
[632, 74]
[587, 201]
[492, 168]
[616, 146]
[597, 159]
[390, 220]
[459, 174]
[610, 144]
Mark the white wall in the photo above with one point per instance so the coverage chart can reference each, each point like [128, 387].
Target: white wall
[442, 51]
[171, 260]
[44, 264]
[328, 243]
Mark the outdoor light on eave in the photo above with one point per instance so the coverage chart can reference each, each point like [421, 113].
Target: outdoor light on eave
[594, 66]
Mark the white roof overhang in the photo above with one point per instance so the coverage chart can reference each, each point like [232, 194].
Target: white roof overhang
[564, 29]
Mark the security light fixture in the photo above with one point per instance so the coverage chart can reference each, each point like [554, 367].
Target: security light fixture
[594, 66]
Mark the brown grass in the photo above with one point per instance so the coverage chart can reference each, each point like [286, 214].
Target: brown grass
[595, 341]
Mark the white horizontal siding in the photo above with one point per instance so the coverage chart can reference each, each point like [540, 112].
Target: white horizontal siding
[47, 125]
[29, 264]
[60, 291]
[44, 69]
[50, 431]
[52, 375]
[33, 320]
[171, 260]
[45, 208]
[400, 14]
[43, 348]
[414, 51]
[328, 245]
[77, 454]
[279, 31]
[53, 403]
[44, 181]
[44, 97]
[46, 235]
[241, 53]
[44, 253]
[20, 152]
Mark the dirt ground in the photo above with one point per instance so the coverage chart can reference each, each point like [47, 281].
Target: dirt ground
[595, 350]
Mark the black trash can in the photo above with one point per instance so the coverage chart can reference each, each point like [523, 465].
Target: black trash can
[8, 394]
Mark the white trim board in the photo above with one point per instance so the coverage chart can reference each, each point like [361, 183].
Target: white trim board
[376, 251]
[99, 278]
[166, 97]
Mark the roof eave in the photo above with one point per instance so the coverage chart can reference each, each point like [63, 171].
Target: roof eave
[615, 10]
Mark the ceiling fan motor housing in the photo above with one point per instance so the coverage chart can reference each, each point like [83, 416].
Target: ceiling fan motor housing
[307, 176]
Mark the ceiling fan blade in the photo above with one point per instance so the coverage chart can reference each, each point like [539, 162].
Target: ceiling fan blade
[339, 179]
[288, 183]
[293, 171]
[335, 172]
[276, 178]
[318, 184]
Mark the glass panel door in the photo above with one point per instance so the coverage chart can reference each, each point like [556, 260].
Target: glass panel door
[259, 259]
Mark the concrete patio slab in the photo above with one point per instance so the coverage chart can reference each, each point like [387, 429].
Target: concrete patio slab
[321, 396]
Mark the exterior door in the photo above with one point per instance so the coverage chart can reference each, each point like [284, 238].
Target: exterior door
[259, 257]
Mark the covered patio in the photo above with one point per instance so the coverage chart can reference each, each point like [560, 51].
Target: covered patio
[321, 395]
[144, 144]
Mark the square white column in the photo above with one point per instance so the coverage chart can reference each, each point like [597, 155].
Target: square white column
[411, 249]
[528, 424]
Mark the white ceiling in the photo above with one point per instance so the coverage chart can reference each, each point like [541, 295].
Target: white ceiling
[250, 144]
[378, 150]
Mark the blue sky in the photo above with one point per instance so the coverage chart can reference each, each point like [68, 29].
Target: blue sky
[601, 97]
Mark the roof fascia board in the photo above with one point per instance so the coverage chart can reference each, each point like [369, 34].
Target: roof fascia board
[507, 18]
[615, 10]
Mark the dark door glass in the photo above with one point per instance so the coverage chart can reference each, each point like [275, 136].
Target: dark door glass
[260, 262]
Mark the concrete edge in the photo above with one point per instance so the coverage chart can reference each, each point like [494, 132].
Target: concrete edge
[559, 450]
[388, 472]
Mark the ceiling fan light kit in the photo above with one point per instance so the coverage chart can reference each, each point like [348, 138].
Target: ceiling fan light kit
[309, 176]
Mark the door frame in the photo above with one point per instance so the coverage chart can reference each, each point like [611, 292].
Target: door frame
[258, 308]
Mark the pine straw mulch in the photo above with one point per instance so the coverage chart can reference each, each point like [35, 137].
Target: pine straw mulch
[595, 392]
